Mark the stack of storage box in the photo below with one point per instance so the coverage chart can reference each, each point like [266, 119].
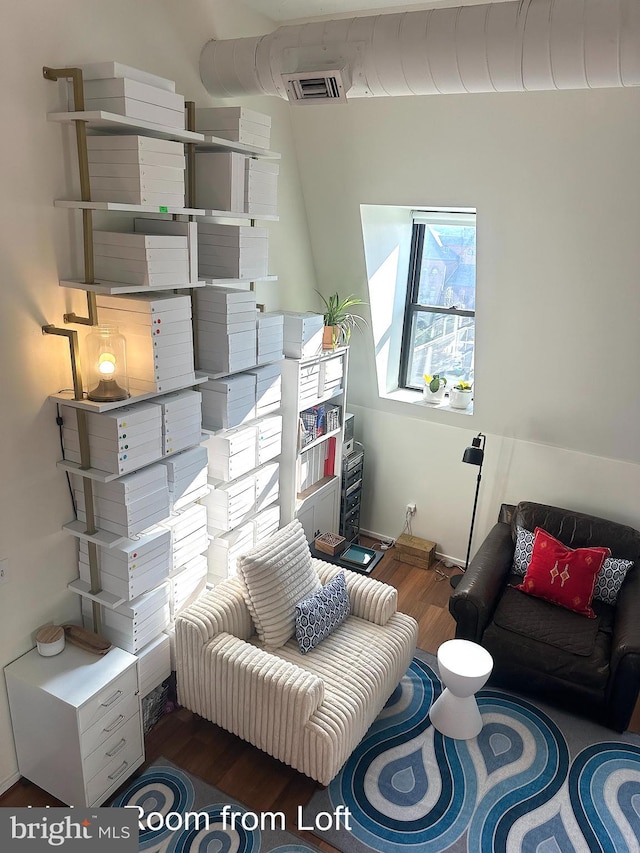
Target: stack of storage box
[232, 251]
[233, 453]
[226, 329]
[331, 375]
[135, 623]
[129, 505]
[227, 547]
[269, 438]
[266, 523]
[127, 91]
[261, 187]
[133, 567]
[189, 541]
[157, 329]
[302, 334]
[154, 664]
[231, 504]
[267, 479]
[235, 183]
[187, 583]
[235, 123]
[270, 329]
[172, 228]
[228, 402]
[268, 388]
[141, 259]
[181, 420]
[120, 441]
[136, 170]
[187, 477]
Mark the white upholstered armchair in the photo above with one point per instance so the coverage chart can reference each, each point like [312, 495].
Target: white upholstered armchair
[310, 711]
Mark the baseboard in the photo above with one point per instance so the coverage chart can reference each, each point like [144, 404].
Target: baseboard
[380, 537]
[8, 783]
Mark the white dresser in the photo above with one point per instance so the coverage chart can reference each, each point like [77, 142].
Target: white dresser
[76, 722]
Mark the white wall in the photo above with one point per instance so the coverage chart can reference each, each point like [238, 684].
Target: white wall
[555, 182]
[164, 37]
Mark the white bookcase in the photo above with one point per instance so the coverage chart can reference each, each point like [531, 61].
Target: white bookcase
[310, 472]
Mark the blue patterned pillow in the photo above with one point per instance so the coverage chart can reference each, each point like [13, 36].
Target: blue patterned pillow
[608, 581]
[320, 615]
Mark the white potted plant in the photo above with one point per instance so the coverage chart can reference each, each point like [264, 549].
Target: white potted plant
[460, 395]
[434, 387]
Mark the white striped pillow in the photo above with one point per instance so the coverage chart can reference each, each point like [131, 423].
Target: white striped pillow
[275, 577]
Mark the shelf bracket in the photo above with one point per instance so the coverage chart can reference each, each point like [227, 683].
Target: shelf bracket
[75, 75]
[74, 348]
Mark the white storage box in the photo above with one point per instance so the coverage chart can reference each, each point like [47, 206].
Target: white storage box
[266, 523]
[101, 146]
[267, 479]
[184, 465]
[229, 402]
[113, 424]
[232, 236]
[225, 549]
[131, 487]
[221, 180]
[142, 110]
[128, 87]
[126, 519]
[302, 334]
[187, 584]
[182, 440]
[101, 70]
[236, 123]
[154, 664]
[225, 300]
[170, 632]
[268, 388]
[188, 230]
[218, 325]
[230, 504]
[232, 454]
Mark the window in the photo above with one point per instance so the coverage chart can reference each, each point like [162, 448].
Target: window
[439, 324]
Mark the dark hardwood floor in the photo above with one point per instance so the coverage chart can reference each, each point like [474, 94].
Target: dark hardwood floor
[251, 776]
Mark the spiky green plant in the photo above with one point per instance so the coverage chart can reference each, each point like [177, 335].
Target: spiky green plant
[337, 313]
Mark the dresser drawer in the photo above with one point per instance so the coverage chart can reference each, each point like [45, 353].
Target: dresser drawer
[103, 701]
[116, 771]
[117, 743]
[111, 722]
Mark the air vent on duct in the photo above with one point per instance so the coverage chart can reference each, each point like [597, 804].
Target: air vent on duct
[312, 87]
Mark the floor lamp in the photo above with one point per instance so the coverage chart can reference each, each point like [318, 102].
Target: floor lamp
[473, 455]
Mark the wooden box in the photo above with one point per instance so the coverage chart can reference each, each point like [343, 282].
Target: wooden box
[330, 543]
[415, 551]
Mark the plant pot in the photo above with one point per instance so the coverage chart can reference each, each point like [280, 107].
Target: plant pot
[459, 399]
[330, 337]
[430, 396]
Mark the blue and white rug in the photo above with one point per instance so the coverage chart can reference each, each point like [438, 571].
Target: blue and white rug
[533, 780]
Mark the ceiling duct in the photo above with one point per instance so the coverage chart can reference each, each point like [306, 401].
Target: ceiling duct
[516, 46]
[310, 87]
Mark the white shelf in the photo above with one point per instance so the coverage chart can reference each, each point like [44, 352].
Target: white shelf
[66, 397]
[232, 282]
[74, 204]
[114, 288]
[107, 599]
[244, 370]
[100, 537]
[224, 217]
[107, 122]
[314, 491]
[90, 473]
[320, 440]
[217, 143]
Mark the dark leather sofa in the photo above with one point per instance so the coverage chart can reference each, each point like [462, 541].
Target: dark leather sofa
[591, 666]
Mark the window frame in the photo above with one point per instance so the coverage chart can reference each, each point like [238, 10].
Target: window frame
[412, 306]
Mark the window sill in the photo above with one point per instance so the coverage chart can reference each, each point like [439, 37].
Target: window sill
[416, 398]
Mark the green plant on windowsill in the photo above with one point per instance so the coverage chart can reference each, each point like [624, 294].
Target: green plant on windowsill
[463, 386]
[460, 395]
[435, 382]
[339, 321]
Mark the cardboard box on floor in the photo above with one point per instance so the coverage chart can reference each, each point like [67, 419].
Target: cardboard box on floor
[415, 551]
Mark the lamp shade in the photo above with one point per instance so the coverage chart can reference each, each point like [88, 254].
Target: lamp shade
[473, 455]
[106, 365]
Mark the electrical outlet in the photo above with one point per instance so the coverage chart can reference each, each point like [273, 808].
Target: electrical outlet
[411, 509]
[4, 571]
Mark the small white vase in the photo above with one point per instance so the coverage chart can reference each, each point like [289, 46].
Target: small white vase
[430, 396]
[459, 399]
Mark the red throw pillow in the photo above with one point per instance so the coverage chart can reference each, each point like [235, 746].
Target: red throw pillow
[562, 575]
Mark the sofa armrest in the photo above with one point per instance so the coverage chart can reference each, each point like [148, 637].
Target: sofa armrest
[626, 626]
[246, 690]
[475, 598]
[370, 599]
[223, 609]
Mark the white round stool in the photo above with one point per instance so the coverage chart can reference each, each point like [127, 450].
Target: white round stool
[464, 669]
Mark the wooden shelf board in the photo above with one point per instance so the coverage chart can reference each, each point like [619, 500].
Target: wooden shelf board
[75, 204]
[107, 599]
[90, 473]
[108, 122]
[301, 497]
[66, 397]
[232, 282]
[113, 288]
[320, 440]
[217, 143]
[101, 537]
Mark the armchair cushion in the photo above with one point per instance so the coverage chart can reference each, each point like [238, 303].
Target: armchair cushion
[276, 576]
[320, 615]
[563, 575]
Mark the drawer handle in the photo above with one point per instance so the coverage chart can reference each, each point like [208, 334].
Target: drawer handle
[110, 701]
[116, 749]
[119, 771]
[114, 724]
